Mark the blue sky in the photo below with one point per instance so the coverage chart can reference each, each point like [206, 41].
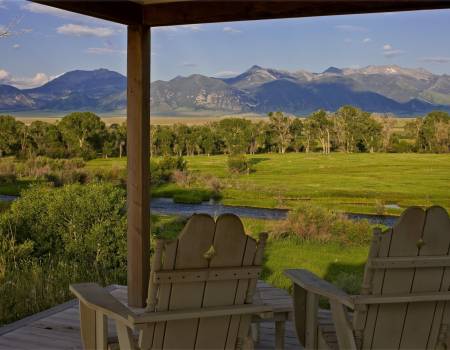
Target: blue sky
[45, 43]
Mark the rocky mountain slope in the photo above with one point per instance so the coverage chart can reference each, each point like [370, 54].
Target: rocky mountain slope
[393, 89]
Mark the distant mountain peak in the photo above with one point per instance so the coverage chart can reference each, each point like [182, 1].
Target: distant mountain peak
[332, 70]
[253, 68]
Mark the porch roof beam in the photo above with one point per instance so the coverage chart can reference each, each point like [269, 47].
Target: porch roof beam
[192, 12]
[167, 12]
[124, 12]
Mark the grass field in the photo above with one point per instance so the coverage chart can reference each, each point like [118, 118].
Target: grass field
[360, 183]
[343, 266]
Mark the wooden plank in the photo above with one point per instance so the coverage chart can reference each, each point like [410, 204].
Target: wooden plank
[229, 245]
[196, 239]
[189, 12]
[241, 294]
[138, 175]
[209, 274]
[312, 306]
[402, 262]
[420, 316]
[390, 319]
[87, 325]
[344, 331]
[170, 252]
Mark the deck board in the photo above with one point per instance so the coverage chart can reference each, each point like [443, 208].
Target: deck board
[58, 328]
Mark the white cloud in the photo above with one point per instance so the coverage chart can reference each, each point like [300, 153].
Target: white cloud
[2, 4]
[350, 28]
[179, 29]
[435, 59]
[23, 82]
[389, 51]
[43, 9]
[231, 30]
[347, 40]
[4, 75]
[105, 51]
[225, 74]
[16, 46]
[83, 30]
[366, 40]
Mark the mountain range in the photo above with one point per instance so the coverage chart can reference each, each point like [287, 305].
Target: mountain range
[383, 89]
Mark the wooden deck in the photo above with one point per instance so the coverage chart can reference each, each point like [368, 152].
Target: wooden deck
[58, 328]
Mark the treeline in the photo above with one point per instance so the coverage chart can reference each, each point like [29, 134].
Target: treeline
[79, 134]
[84, 134]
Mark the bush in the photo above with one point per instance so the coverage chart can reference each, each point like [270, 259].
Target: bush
[238, 164]
[161, 170]
[191, 196]
[79, 223]
[320, 224]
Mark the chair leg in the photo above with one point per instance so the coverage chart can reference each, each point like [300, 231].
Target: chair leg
[94, 328]
[279, 335]
[255, 331]
[125, 337]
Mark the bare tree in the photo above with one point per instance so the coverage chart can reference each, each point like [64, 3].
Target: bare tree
[8, 30]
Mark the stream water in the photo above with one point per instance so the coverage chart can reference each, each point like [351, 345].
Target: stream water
[168, 207]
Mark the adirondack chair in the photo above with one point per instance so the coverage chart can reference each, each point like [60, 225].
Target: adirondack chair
[405, 298]
[200, 293]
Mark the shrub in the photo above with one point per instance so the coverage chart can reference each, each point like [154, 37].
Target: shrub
[191, 197]
[161, 170]
[80, 223]
[320, 224]
[238, 164]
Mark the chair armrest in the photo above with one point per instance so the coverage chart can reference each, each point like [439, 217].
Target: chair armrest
[263, 311]
[99, 299]
[312, 283]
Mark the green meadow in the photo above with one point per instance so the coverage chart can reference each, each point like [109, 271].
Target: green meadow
[359, 182]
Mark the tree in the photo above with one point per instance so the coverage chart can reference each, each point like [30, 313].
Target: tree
[281, 126]
[433, 132]
[46, 140]
[388, 124]
[322, 125]
[309, 134]
[296, 131]
[235, 134]
[83, 133]
[115, 141]
[9, 135]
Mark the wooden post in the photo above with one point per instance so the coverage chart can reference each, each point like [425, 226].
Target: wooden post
[138, 178]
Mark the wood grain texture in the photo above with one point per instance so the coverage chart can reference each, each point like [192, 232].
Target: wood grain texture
[138, 166]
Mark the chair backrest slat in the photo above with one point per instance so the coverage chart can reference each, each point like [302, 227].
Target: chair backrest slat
[229, 243]
[210, 264]
[420, 235]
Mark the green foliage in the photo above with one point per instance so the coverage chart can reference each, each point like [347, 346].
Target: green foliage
[83, 133]
[10, 135]
[322, 225]
[238, 164]
[162, 169]
[81, 223]
[192, 196]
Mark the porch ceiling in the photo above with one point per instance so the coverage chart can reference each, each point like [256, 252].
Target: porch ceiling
[176, 12]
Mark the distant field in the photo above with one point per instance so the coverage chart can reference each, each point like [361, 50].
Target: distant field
[360, 183]
[156, 120]
[170, 120]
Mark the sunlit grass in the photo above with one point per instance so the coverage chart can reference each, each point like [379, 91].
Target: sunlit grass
[358, 182]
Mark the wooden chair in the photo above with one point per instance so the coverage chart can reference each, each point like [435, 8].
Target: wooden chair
[200, 293]
[405, 298]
